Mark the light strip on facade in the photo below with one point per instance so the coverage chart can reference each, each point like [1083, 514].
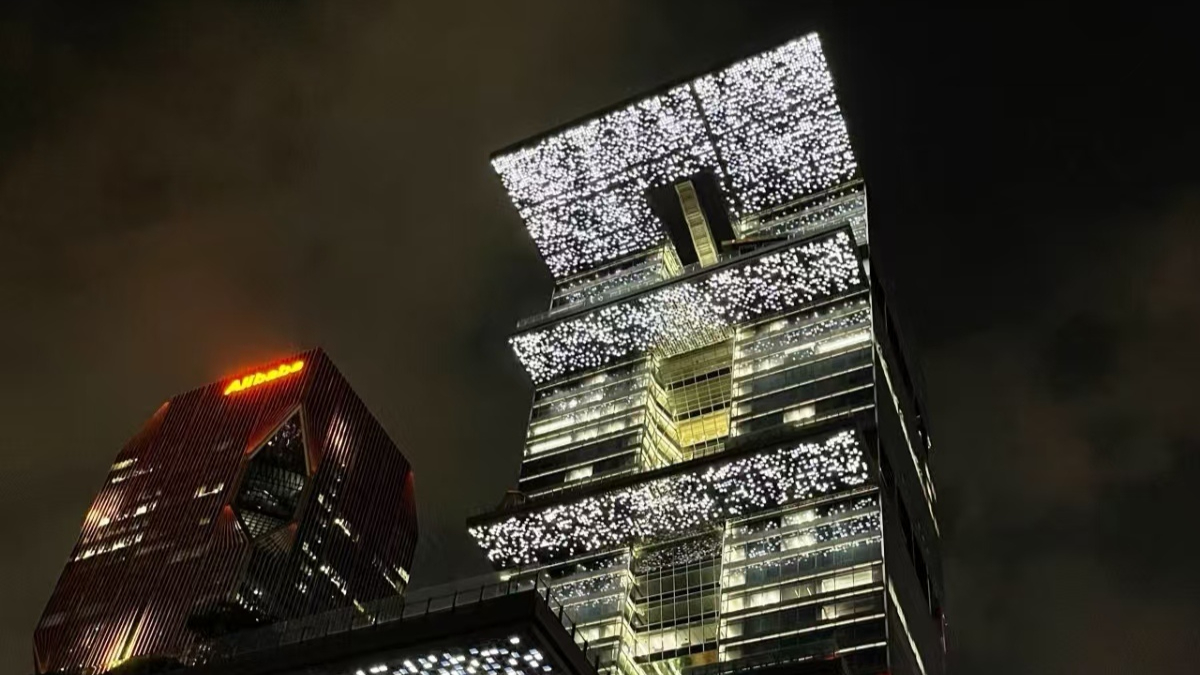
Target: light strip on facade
[801, 631]
[912, 644]
[677, 503]
[674, 318]
[873, 645]
[730, 616]
[887, 376]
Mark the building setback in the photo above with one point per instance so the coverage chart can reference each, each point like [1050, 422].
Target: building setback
[469, 627]
[271, 495]
[727, 461]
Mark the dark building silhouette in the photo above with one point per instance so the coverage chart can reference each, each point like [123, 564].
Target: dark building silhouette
[727, 461]
[469, 627]
[272, 495]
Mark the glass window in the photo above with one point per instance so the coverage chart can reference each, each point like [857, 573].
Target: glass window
[764, 598]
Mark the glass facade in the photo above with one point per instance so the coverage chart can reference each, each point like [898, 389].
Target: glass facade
[726, 465]
[234, 507]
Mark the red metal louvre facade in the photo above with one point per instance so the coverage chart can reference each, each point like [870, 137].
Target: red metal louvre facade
[267, 496]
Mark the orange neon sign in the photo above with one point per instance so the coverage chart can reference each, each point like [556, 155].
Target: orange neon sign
[262, 376]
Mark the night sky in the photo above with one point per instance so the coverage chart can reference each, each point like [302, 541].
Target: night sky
[192, 188]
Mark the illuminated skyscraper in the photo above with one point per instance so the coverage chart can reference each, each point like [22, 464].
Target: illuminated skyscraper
[268, 496]
[727, 462]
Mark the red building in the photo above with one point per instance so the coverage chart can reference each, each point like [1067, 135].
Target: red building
[267, 496]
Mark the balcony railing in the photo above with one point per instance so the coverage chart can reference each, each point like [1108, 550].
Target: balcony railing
[415, 605]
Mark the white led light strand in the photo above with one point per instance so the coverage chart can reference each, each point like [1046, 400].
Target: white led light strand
[772, 122]
[673, 504]
[686, 553]
[677, 317]
[572, 590]
[494, 657]
[778, 125]
[845, 529]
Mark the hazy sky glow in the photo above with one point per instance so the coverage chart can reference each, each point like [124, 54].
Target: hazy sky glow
[315, 173]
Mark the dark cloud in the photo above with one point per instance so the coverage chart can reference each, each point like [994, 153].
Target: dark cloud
[1069, 479]
[1079, 356]
[188, 188]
